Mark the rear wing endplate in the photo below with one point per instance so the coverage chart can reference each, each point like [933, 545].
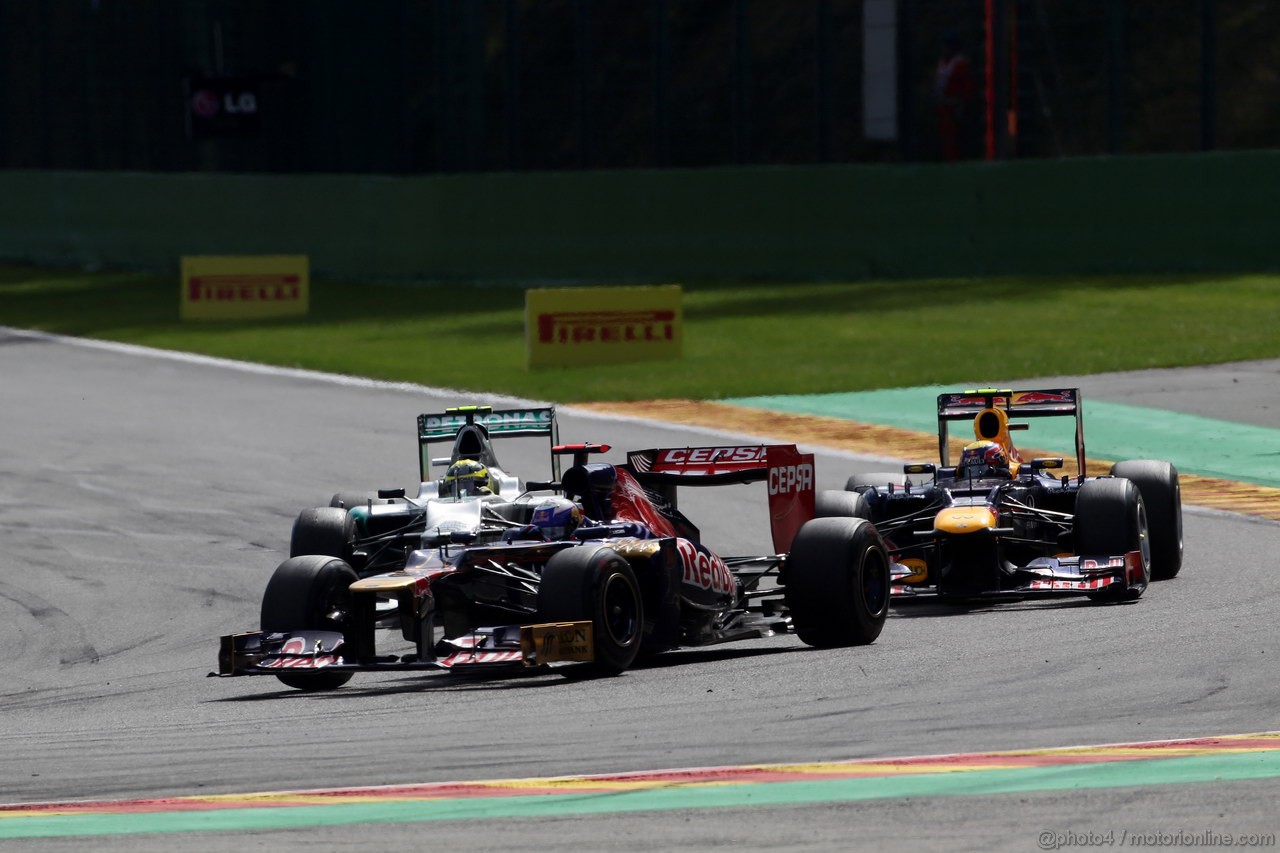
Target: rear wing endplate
[789, 473]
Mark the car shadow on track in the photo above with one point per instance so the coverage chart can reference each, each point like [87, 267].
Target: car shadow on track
[934, 608]
[453, 681]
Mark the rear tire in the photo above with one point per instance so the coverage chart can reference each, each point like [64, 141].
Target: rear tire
[862, 482]
[1162, 494]
[350, 500]
[330, 531]
[1111, 519]
[837, 586]
[309, 593]
[834, 504]
[595, 584]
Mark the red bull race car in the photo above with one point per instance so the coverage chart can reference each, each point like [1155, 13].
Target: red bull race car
[996, 525]
[591, 570]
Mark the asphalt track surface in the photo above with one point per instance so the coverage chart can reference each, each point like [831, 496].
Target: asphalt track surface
[144, 502]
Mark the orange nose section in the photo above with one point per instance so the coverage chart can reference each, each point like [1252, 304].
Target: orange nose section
[964, 519]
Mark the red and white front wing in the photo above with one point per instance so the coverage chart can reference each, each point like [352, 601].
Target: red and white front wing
[1048, 575]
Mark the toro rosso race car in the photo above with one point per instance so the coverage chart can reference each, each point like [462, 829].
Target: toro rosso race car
[996, 525]
[590, 570]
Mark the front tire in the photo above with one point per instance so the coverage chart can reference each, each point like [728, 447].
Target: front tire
[309, 593]
[1158, 483]
[595, 584]
[1111, 519]
[330, 531]
[837, 587]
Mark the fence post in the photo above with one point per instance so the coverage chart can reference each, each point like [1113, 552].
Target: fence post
[1208, 75]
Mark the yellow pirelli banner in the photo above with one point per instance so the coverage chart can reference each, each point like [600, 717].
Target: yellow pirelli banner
[566, 326]
[244, 287]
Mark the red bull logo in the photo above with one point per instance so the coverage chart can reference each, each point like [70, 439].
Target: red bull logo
[1033, 397]
[704, 569]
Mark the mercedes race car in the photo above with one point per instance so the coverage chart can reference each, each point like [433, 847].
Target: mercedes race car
[590, 570]
[373, 531]
[995, 525]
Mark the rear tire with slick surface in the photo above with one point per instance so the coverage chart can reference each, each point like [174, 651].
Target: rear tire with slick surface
[1158, 483]
[836, 504]
[330, 531]
[880, 480]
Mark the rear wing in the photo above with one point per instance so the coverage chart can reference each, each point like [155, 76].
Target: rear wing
[470, 428]
[1006, 406]
[789, 473]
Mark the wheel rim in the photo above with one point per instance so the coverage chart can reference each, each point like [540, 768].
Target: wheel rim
[1144, 541]
[620, 610]
[335, 610]
[875, 587]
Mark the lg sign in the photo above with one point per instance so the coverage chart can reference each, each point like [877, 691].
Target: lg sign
[222, 107]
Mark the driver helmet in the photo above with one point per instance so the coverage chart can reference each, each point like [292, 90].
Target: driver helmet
[983, 459]
[466, 477]
[557, 518]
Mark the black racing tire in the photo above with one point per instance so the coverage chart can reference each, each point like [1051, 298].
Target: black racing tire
[309, 593]
[837, 582]
[862, 482]
[1162, 494]
[349, 500]
[1111, 518]
[835, 504]
[596, 584]
[330, 531]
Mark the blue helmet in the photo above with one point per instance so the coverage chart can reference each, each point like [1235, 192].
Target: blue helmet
[557, 518]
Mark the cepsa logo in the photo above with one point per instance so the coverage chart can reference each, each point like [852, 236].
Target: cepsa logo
[786, 479]
[704, 569]
[244, 288]
[706, 455]
[606, 327]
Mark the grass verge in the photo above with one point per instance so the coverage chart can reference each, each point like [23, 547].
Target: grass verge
[739, 339]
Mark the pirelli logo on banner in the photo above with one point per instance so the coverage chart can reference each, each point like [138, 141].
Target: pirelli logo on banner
[244, 287]
[602, 325]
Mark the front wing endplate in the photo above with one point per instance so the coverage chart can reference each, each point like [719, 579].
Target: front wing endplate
[554, 642]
